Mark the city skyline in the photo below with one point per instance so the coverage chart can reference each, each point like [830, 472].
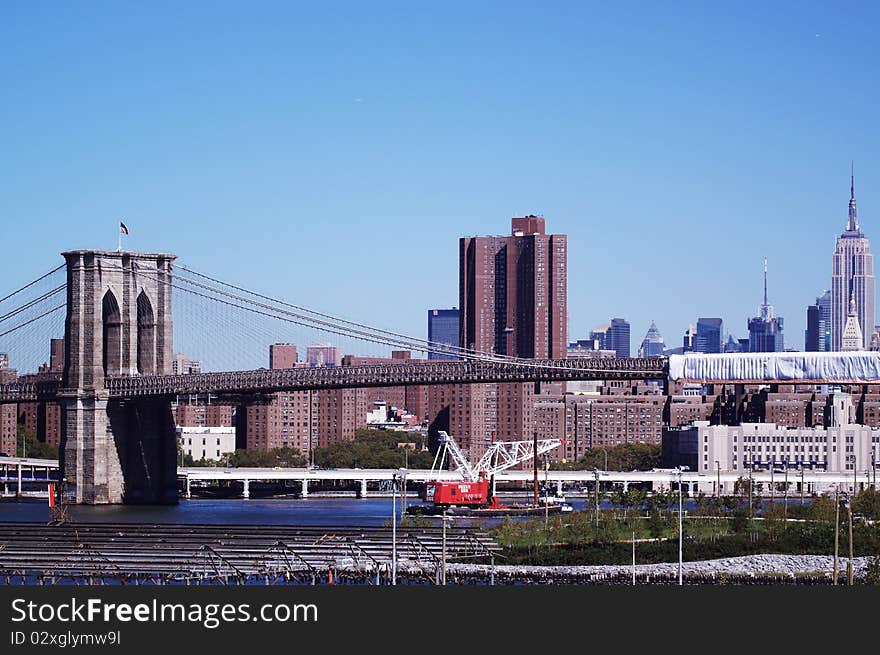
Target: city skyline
[672, 166]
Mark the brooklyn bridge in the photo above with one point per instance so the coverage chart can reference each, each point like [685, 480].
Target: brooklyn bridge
[116, 387]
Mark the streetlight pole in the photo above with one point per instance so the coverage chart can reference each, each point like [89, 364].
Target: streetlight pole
[597, 501]
[849, 564]
[772, 484]
[405, 472]
[394, 529]
[785, 505]
[546, 494]
[855, 475]
[443, 560]
[634, 557]
[836, 526]
[802, 484]
[680, 523]
[751, 466]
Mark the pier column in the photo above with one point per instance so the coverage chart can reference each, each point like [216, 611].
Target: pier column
[18, 490]
[188, 494]
[559, 487]
[363, 491]
[246, 493]
[305, 488]
[625, 487]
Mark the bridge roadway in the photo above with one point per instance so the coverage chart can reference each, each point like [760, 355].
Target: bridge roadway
[263, 381]
[15, 470]
[813, 481]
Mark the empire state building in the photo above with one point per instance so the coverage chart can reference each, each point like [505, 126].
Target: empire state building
[852, 279]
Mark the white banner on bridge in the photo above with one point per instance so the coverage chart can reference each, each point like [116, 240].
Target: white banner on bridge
[860, 366]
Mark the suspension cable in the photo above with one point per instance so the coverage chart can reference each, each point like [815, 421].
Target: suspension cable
[36, 318]
[32, 283]
[423, 343]
[33, 302]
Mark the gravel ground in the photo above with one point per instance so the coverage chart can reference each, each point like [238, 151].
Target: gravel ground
[747, 565]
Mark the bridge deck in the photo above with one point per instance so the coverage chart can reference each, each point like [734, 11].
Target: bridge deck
[263, 381]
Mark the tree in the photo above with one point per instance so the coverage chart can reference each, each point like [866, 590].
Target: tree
[266, 458]
[376, 449]
[27, 445]
[623, 457]
[867, 504]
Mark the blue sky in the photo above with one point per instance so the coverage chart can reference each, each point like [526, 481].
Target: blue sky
[333, 155]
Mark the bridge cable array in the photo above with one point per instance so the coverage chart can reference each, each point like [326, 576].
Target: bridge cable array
[42, 298]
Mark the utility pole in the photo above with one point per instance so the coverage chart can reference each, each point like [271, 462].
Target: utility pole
[596, 490]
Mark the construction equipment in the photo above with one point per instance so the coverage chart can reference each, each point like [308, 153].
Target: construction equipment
[476, 487]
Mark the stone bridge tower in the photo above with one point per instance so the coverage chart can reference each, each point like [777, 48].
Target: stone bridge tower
[118, 323]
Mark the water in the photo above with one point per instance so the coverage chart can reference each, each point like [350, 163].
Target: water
[278, 511]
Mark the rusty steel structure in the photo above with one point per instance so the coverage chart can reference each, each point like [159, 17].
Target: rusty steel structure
[181, 554]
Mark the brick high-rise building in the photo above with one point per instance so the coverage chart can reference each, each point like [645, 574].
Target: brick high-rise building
[513, 293]
[282, 355]
[200, 415]
[512, 301]
[56, 355]
[8, 429]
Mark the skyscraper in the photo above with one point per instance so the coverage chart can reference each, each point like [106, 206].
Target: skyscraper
[852, 277]
[708, 336]
[817, 337]
[617, 337]
[765, 331]
[812, 342]
[513, 292]
[652, 344]
[443, 328]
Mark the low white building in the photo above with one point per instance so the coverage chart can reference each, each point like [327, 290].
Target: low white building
[206, 443]
[843, 447]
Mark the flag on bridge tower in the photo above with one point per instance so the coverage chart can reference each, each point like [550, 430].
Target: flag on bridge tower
[123, 229]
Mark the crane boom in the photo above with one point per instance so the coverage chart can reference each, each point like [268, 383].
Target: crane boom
[511, 453]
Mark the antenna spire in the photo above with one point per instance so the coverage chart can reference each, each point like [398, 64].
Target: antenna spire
[852, 224]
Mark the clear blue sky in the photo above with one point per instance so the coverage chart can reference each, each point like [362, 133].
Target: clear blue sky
[333, 153]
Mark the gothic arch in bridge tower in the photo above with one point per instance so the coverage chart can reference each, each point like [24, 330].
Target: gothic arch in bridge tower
[112, 334]
[146, 335]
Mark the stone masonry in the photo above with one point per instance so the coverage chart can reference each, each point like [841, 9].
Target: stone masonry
[119, 322]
